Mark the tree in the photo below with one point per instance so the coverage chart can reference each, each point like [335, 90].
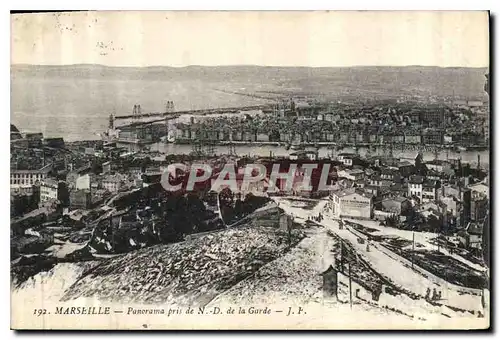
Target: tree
[63, 194]
[434, 223]
[226, 197]
[238, 208]
[20, 205]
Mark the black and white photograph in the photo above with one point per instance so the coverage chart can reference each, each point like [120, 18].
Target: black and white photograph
[230, 170]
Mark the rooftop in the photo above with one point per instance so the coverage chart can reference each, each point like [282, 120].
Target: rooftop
[302, 105]
[84, 168]
[44, 169]
[349, 154]
[399, 199]
[449, 199]
[479, 186]
[404, 163]
[428, 183]
[113, 178]
[416, 179]
[352, 191]
[355, 171]
[474, 228]
[389, 171]
[398, 187]
[50, 182]
[303, 153]
[437, 162]
[412, 156]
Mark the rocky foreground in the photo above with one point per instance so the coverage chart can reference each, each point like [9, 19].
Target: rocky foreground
[191, 272]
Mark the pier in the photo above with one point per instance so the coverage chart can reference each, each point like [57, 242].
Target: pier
[147, 128]
[148, 122]
[194, 112]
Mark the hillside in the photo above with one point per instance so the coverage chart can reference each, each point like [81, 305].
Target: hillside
[193, 272]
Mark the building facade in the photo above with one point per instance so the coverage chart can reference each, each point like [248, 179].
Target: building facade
[48, 190]
[80, 199]
[351, 203]
[23, 180]
[429, 191]
[112, 183]
[479, 208]
[415, 187]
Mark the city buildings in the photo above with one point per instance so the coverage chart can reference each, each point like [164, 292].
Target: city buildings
[415, 187]
[48, 190]
[430, 190]
[439, 165]
[112, 183]
[80, 199]
[480, 188]
[23, 180]
[472, 236]
[352, 174]
[478, 207]
[348, 159]
[397, 205]
[415, 159]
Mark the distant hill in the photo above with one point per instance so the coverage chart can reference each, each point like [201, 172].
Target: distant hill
[360, 80]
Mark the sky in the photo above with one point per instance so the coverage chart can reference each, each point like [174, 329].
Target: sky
[317, 39]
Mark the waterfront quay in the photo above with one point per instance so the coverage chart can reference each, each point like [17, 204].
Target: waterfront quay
[296, 122]
[201, 112]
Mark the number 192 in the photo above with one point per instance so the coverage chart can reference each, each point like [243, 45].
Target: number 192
[39, 312]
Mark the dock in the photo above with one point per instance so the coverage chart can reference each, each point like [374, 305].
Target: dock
[194, 112]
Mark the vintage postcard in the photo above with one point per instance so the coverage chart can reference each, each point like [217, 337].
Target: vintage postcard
[314, 170]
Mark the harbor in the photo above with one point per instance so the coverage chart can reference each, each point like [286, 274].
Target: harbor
[272, 130]
[395, 177]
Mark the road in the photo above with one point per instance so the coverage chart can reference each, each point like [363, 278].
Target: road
[393, 267]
